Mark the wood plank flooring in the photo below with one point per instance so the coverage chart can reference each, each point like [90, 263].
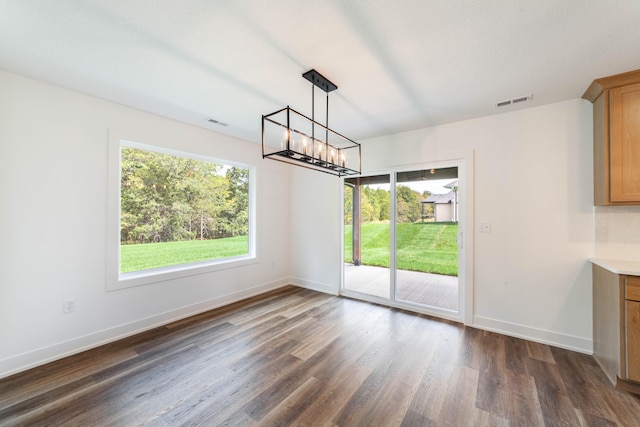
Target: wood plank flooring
[301, 358]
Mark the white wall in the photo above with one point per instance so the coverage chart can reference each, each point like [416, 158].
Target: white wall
[617, 232]
[53, 195]
[533, 183]
[444, 212]
[316, 232]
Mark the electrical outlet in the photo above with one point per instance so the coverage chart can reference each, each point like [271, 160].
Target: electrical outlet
[68, 306]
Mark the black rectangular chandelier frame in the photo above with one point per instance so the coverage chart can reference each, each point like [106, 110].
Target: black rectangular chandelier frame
[305, 142]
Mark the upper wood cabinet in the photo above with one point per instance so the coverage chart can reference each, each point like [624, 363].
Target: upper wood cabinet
[616, 138]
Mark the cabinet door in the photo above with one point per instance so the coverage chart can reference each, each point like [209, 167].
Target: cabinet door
[632, 335]
[624, 143]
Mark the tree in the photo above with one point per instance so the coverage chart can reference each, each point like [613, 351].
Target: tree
[236, 207]
[348, 205]
[367, 208]
[375, 204]
[170, 198]
[407, 204]
[384, 204]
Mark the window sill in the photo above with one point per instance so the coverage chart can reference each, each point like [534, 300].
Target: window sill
[156, 275]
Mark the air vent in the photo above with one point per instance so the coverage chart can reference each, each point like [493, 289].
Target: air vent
[514, 101]
[216, 122]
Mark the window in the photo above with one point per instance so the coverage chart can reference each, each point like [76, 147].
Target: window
[177, 214]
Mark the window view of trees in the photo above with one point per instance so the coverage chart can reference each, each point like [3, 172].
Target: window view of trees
[167, 198]
[422, 244]
[374, 204]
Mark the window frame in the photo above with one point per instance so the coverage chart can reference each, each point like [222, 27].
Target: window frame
[116, 280]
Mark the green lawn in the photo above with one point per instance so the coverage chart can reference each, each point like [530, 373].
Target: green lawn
[429, 247]
[154, 255]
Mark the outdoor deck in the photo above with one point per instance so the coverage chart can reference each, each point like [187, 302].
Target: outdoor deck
[421, 288]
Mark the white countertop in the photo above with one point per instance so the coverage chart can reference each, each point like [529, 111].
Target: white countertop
[618, 266]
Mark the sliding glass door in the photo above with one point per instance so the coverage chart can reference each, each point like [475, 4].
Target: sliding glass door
[426, 231]
[400, 238]
[367, 235]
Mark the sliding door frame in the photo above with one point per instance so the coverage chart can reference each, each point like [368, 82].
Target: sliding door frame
[464, 161]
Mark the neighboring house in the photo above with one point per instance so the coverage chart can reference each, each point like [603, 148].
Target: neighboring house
[445, 206]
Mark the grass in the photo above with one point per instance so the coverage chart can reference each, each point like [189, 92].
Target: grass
[154, 255]
[428, 247]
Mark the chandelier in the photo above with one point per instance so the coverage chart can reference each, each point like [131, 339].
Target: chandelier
[291, 137]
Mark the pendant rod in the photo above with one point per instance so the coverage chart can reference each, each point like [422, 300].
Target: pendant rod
[326, 135]
[313, 117]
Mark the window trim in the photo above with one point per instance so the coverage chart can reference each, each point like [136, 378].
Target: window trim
[116, 280]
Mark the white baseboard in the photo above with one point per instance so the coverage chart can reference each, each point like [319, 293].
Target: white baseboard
[31, 359]
[556, 339]
[315, 286]
[28, 360]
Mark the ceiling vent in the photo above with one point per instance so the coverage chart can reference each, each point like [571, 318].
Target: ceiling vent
[517, 100]
[216, 122]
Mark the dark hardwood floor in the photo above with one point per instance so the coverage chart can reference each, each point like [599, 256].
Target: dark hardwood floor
[297, 357]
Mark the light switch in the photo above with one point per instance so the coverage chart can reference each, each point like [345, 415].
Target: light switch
[485, 227]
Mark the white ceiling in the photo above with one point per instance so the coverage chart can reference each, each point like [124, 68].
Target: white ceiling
[398, 64]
